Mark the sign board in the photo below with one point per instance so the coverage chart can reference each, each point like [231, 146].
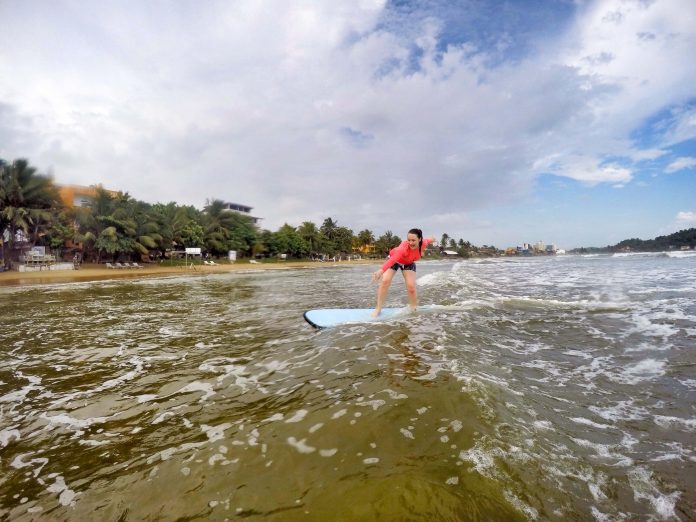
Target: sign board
[232, 254]
[193, 251]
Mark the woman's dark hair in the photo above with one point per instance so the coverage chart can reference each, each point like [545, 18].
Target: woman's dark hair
[419, 233]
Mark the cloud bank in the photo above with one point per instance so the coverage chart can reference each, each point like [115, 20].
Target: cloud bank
[378, 116]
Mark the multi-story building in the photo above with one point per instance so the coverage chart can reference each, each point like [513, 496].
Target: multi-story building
[242, 209]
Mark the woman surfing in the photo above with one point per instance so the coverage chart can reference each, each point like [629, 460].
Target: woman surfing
[402, 257]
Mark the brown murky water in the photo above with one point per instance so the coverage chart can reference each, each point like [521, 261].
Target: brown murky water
[549, 389]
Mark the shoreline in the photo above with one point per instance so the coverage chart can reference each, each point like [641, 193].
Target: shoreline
[93, 272]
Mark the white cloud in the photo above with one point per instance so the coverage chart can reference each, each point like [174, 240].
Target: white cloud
[685, 219]
[305, 110]
[681, 164]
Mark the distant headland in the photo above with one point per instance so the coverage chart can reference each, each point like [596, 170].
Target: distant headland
[682, 240]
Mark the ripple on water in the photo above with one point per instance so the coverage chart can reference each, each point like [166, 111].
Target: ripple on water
[529, 389]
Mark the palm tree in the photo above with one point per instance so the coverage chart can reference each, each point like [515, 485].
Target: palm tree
[178, 226]
[216, 235]
[226, 230]
[310, 234]
[444, 241]
[141, 225]
[365, 238]
[108, 226]
[27, 200]
[386, 242]
[329, 228]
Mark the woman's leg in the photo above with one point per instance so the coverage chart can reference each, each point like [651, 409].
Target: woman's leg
[382, 290]
[410, 278]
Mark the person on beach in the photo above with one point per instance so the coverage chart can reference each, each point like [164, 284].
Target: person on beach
[402, 257]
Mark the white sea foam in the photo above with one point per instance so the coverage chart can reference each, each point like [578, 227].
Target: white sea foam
[407, 433]
[66, 420]
[66, 495]
[681, 254]
[588, 422]
[672, 422]
[128, 376]
[316, 427]
[299, 415]
[374, 404]
[543, 425]
[197, 386]
[339, 413]
[7, 434]
[623, 410]
[483, 461]
[644, 488]
[230, 370]
[645, 370]
[93, 443]
[300, 445]
[38, 463]
[605, 451]
[215, 433]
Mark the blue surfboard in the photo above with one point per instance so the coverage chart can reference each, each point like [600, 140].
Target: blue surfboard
[328, 317]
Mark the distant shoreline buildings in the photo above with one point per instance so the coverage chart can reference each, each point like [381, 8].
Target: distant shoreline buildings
[538, 249]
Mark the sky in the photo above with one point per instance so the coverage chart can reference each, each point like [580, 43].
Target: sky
[498, 122]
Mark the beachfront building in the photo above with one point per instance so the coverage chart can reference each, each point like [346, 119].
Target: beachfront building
[241, 209]
[81, 196]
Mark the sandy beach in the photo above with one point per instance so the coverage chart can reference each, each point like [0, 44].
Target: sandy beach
[96, 272]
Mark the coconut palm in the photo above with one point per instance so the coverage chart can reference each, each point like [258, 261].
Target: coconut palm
[27, 200]
[444, 241]
[329, 228]
[310, 234]
[138, 224]
[226, 230]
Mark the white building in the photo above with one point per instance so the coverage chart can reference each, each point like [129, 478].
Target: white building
[242, 209]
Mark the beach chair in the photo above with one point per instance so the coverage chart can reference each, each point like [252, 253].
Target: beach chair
[109, 265]
[208, 263]
[136, 265]
[212, 263]
[120, 265]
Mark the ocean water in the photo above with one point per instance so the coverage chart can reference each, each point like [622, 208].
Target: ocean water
[560, 388]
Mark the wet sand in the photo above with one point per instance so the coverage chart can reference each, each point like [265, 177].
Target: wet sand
[96, 272]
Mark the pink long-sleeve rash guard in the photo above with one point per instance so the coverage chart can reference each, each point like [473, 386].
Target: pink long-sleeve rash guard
[404, 255]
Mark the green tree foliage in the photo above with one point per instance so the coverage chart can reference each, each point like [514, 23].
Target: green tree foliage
[288, 241]
[385, 243]
[226, 230]
[28, 201]
[310, 235]
[365, 238]
[119, 226]
[683, 238]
